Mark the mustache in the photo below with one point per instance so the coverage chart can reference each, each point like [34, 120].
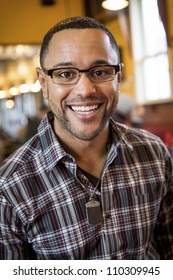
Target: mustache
[86, 99]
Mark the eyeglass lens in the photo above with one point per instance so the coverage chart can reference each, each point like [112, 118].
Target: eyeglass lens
[72, 75]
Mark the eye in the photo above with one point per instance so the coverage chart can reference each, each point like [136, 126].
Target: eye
[99, 72]
[65, 74]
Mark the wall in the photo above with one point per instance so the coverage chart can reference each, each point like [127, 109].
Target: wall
[170, 15]
[127, 84]
[26, 21]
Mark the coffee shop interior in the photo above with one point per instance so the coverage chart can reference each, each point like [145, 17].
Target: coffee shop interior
[144, 32]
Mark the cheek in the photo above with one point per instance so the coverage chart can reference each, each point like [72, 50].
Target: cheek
[56, 94]
[112, 94]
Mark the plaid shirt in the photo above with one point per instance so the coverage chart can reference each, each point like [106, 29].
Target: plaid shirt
[43, 197]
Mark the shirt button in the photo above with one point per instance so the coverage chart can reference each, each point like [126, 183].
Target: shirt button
[108, 216]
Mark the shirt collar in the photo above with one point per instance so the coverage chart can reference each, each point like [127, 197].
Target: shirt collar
[52, 150]
[120, 134]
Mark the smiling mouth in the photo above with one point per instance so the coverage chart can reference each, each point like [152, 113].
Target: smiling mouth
[84, 109]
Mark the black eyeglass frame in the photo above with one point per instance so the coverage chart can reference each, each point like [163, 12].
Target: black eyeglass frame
[49, 72]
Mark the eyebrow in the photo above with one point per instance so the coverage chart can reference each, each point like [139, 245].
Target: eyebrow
[62, 64]
[65, 64]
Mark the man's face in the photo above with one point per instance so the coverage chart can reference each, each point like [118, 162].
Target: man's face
[82, 109]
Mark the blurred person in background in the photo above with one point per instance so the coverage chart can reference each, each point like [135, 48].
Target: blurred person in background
[128, 111]
[8, 144]
[30, 129]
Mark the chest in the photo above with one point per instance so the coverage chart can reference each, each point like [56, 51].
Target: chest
[129, 198]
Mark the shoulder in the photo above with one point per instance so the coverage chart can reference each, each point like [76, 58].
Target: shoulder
[133, 134]
[147, 151]
[140, 139]
[141, 135]
[28, 159]
[20, 159]
[37, 156]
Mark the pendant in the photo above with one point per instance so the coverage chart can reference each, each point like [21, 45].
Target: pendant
[94, 215]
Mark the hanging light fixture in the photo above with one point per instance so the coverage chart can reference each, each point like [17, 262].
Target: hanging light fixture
[115, 5]
[9, 104]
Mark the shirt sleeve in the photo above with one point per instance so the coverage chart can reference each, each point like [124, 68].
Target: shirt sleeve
[13, 243]
[163, 231]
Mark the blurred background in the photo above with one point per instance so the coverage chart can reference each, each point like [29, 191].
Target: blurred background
[144, 32]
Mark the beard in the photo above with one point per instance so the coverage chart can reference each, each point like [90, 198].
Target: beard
[61, 118]
[82, 135]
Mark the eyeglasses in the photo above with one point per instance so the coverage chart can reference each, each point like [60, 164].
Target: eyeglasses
[71, 75]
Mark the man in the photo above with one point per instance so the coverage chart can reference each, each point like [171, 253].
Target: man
[85, 187]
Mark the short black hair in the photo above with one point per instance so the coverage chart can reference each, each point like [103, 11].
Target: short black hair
[80, 22]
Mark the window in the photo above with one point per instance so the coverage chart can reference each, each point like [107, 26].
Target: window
[152, 74]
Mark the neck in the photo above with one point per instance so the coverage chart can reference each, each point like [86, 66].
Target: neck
[89, 155]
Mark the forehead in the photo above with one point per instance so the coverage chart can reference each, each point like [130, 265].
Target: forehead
[76, 44]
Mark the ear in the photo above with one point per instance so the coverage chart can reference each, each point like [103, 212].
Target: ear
[42, 81]
[120, 73]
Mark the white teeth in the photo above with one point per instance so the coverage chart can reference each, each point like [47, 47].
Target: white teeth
[84, 108]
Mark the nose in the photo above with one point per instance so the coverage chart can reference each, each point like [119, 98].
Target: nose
[84, 86]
